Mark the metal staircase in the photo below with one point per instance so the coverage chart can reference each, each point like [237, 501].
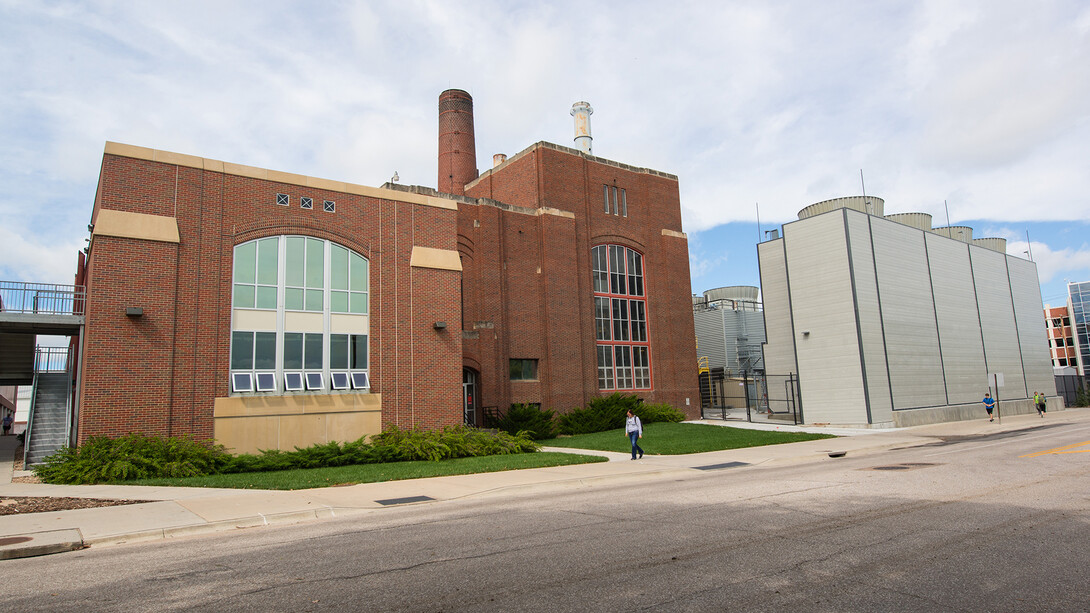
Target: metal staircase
[49, 424]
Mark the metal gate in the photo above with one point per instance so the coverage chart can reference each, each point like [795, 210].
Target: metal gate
[753, 397]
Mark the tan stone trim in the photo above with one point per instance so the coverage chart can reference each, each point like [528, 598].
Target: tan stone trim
[123, 224]
[674, 233]
[443, 259]
[557, 212]
[253, 172]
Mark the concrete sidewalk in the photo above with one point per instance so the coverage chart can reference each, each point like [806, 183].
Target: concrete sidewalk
[178, 512]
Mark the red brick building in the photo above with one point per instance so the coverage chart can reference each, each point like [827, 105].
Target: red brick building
[269, 309]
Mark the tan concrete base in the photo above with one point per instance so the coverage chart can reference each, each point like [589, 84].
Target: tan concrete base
[248, 424]
[965, 412]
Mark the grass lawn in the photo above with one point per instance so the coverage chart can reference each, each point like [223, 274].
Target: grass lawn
[677, 439]
[305, 478]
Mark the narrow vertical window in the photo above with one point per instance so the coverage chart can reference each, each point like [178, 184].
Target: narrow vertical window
[615, 208]
[624, 204]
[605, 197]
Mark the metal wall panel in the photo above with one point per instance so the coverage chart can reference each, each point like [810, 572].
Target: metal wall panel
[959, 322]
[1001, 350]
[1036, 361]
[709, 337]
[908, 315]
[779, 347]
[870, 320]
[827, 347]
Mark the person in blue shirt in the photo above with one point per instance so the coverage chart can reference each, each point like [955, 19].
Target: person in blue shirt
[989, 404]
[634, 429]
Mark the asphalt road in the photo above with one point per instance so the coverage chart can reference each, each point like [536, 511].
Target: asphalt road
[984, 523]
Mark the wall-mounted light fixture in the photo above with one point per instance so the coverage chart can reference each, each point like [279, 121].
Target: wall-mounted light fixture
[134, 311]
[440, 325]
[806, 333]
[90, 227]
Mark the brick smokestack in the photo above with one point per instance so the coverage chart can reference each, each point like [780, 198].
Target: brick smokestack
[457, 150]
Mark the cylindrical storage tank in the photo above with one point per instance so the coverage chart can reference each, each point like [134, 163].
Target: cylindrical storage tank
[995, 244]
[921, 221]
[457, 148]
[698, 300]
[871, 204]
[732, 292]
[958, 233]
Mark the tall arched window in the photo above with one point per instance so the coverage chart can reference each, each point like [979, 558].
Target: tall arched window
[620, 317]
[300, 317]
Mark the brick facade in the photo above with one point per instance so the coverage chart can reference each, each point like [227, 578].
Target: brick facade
[523, 233]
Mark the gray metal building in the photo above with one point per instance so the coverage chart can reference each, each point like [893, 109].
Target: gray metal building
[890, 322]
[730, 329]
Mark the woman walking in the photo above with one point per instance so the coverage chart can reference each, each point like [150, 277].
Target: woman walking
[634, 429]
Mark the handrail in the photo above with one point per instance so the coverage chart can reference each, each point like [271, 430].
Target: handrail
[29, 420]
[42, 298]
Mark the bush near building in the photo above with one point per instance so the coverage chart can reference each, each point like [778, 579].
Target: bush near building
[136, 456]
[600, 414]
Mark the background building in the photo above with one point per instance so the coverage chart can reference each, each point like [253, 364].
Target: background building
[888, 321]
[269, 310]
[1078, 307]
[1061, 338]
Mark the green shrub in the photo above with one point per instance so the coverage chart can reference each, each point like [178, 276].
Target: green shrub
[1082, 397]
[609, 412]
[540, 423]
[133, 456]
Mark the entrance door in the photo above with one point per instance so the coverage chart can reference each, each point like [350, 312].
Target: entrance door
[469, 396]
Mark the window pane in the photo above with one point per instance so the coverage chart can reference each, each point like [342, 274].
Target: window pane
[529, 369]
[359, 302]
[605, 367]
[605, 196]
[245, 262]
[639, 321]
[315, 262]
[312, 351]
[293, 350]
[601, 319]
[359, 273]
[620, 319]
[599, 272]
[338, 351]
[623, 363]
[359, 352]
[615, 200]
[624, 204]
[516, 369]
[314, 300]
[265, 350]
[294, 259]
[293, 299]
[338, 267]
[338, 302]
[266, 261]
[266, 297]
[635, 273]
[616, 269]
[244, 296]
[242, 350]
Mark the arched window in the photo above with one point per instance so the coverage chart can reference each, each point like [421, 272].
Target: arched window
[620, 317]
[300, 317]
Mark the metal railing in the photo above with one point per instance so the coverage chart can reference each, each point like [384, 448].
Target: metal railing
[42, 298]
[49, 360]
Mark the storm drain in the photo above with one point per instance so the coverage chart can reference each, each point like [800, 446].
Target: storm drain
[723, 465]
[406, 500]
[904, 466]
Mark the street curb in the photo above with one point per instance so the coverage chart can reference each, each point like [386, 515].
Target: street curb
[41, 543]
[224, 525]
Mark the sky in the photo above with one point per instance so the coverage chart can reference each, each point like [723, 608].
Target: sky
[976, 111]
